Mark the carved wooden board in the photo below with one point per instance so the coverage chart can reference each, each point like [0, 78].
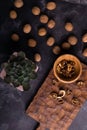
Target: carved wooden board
[49, 112]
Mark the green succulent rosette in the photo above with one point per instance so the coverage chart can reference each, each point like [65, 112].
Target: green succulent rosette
[19, 70]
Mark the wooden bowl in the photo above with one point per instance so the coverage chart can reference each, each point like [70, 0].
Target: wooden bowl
[67, 68]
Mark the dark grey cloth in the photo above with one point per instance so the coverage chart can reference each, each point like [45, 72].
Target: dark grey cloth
[12, 113]
[80, 122]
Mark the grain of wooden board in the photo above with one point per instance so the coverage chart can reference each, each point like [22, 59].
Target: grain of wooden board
[51, 114]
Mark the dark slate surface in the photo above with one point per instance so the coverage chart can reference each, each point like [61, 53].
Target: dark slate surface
[12, 110]
[13, 102]
[77, 1]
[80, 122]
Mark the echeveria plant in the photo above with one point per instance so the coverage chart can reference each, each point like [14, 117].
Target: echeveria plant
[19, 70]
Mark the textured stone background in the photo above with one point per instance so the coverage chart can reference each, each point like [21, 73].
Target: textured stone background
[12, 112]
[12, 103]
[77, 1]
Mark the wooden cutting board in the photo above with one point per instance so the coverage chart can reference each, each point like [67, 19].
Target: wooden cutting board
[51, 114]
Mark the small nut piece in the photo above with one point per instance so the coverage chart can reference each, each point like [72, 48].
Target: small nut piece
[42, 32]
[80, 83]
[61, 94]
[75, 101]
[66, 45]
[60, 101]
[36, 10]
[55, 82]
[32, 43]
[13, 14]
[53, 95]
[68, 92]
[37, 57]
[44, 18]
[51, 5]
[15, 37]
[50, 41]
[69, 27]
[27, 28]
[56, 50]
[18, 3]
[84, 52]
[72, 40]
[84, 38]
[51, 24]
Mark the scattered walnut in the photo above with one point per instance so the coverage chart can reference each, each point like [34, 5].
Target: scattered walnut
[80, 83]
[15, 37]
[69, 27]
[50, 41]
[37, 57]
[13, 14]
[54, 82]
[68, 92]
[32, 43]
[51, 24]
[36, 10]
[51, 5]
[84, 38]
[72, 40]
[43, 18]
[27, 28]
[60, 101]
[61, 94]
[18, 3]
[84, 52]
[53, 95]
[56, 50]
[42, 32]
[75, 101]
[66, 45]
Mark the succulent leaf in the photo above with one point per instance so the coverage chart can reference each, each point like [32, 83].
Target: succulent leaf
[25, 86]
